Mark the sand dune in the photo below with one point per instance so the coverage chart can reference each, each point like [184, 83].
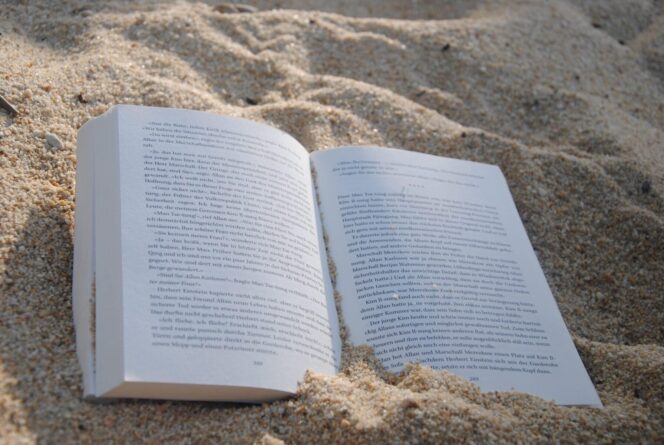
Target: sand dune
[566, 96]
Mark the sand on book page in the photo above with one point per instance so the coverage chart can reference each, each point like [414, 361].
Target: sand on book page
[434, 266]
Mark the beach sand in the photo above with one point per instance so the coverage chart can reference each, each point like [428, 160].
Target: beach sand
[566, 96]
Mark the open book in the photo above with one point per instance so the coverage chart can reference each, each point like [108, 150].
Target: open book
[200, 270]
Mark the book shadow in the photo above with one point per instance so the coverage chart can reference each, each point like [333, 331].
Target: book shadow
[38, 364]
[36, 332]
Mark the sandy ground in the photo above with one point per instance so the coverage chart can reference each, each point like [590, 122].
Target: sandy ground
[566, 96]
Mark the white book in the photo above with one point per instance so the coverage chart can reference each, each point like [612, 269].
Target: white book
[200, 270]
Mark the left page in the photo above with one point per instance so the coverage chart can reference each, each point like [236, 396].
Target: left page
[223, 293]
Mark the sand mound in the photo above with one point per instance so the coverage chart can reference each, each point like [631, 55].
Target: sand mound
[566, 96]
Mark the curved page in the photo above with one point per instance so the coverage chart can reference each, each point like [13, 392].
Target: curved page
[434, 266]
[221, 268]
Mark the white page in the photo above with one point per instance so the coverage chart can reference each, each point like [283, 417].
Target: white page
[222, 278]
[434, 266]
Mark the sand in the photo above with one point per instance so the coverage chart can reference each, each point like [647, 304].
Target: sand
[566, 96]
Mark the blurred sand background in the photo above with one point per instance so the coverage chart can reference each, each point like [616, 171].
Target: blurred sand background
[566, 96]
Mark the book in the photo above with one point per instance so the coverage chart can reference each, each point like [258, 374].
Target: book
[201, 264]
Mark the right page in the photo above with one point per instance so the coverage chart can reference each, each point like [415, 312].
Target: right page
[434, 266]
